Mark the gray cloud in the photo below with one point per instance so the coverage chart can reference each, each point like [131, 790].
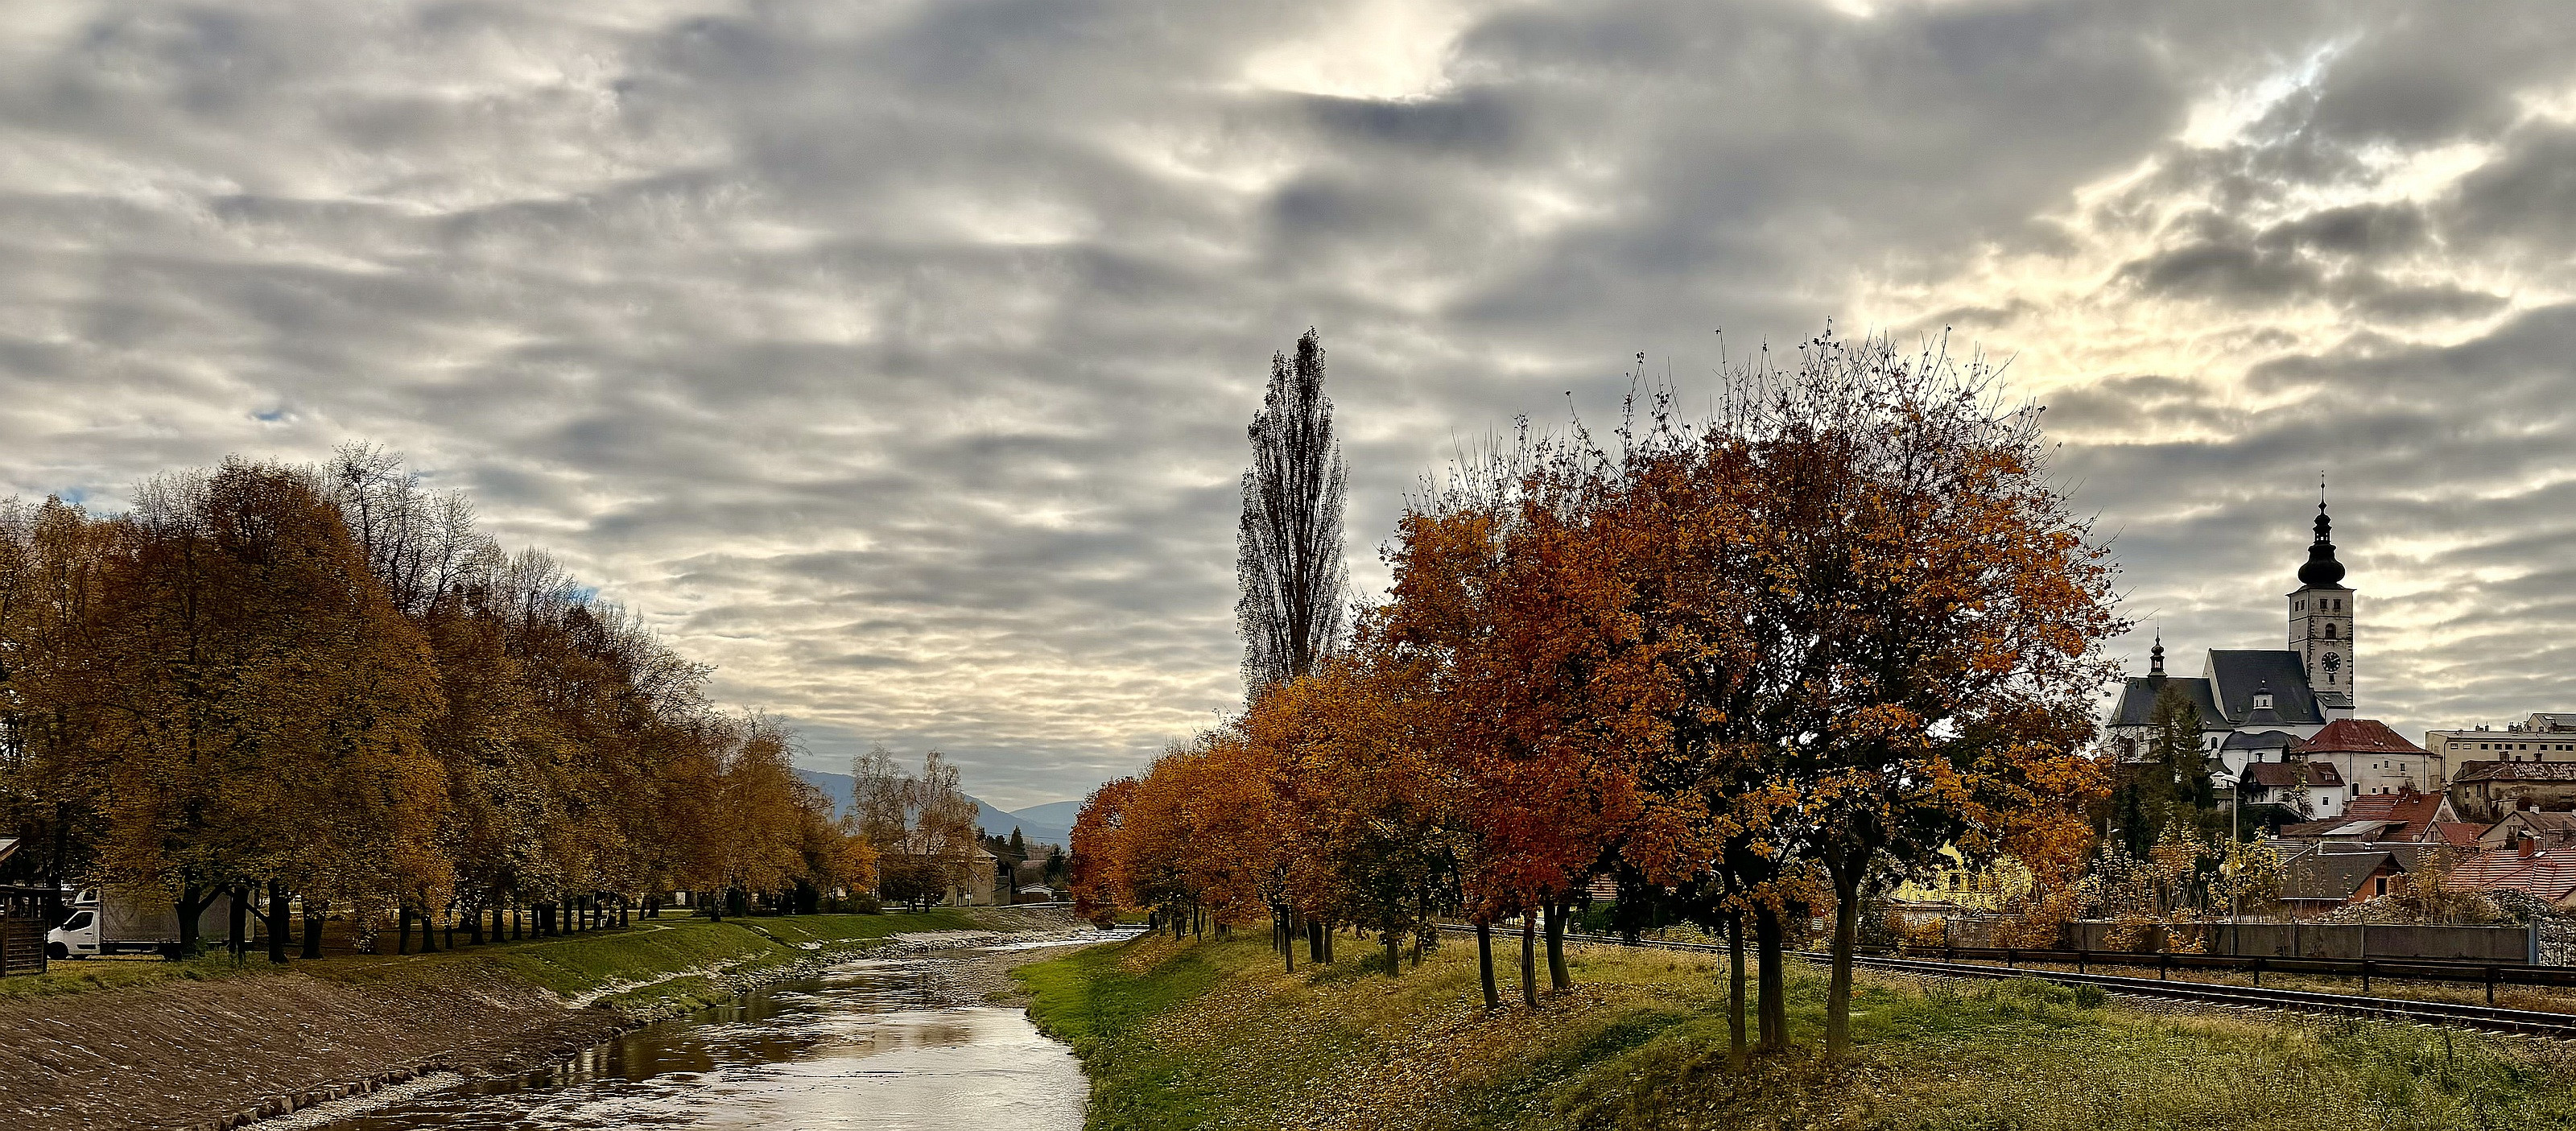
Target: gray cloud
[895, 356]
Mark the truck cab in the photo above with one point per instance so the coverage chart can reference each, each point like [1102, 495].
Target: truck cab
[78, 937]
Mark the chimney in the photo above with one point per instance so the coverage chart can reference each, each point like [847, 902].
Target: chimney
[2524, 846]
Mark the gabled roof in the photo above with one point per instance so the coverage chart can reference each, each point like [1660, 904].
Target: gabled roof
[2515, 771]
[2358, 736]
[2138, 701]
[2235, 674]
[2332, 875]
[2415, 811]
[2539, 821]
[2458, 834]
[2282, 775]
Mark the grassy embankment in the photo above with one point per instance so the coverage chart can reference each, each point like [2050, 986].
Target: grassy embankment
[1181, 1035]
[653, 965]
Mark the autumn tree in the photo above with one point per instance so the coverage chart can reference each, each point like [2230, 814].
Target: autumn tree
[1092, 869]
[1939, 614]
[322, 686]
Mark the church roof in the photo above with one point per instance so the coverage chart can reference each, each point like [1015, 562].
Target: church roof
[2235, 674]
[2358, 736]
[2138, 701]
[2260, 740]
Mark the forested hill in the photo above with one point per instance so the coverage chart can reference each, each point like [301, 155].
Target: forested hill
[1042, 824]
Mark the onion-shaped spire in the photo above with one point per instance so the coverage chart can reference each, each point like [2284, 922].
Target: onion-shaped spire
[2322, 569]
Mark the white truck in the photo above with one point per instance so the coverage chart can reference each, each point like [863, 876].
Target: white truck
[110, 923]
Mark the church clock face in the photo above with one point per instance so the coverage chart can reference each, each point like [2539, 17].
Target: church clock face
[2333, 663]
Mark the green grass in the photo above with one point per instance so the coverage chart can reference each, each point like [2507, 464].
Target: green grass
[661, 952]
[117, 973]
[1216, 1036]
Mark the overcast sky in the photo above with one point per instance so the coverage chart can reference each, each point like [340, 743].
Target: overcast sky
[895, 357]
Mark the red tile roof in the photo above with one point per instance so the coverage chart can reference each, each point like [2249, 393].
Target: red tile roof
[2550, 876]
[2415, 810]
[2459, 834]
[2358, 736]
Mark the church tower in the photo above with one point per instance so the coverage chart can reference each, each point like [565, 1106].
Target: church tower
[2321, 624]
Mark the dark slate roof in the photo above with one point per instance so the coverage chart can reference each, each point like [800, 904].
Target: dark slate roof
[2236, 673]
[2279, 775]
[2331, 875]
[2138, 702]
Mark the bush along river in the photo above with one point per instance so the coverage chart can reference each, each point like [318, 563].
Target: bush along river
[870, 1043]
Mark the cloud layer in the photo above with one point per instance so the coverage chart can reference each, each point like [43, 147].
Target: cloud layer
[895, 356]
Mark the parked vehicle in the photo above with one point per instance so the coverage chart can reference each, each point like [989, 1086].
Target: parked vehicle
[108, 923]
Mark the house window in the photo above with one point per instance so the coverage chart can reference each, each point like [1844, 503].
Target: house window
[2379, 886]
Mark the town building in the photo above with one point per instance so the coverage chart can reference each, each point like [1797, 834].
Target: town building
[2407, 817]
[2371, 758]
[2488, 791]
[2547, 736]
[2313, 791]
[2547, 830]
[2323, 878]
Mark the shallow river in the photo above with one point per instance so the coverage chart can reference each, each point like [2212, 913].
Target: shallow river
[866, 1046]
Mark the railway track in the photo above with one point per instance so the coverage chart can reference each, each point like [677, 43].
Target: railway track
[2487, 1018]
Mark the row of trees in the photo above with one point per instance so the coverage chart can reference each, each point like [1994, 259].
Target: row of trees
[1748, 667]
[323, 687]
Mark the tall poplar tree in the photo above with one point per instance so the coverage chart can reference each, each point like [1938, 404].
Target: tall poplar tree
[1289, 546]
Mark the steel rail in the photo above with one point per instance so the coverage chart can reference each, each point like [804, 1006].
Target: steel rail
[2486, 1018]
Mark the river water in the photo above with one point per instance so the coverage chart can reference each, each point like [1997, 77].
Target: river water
[871, 1044]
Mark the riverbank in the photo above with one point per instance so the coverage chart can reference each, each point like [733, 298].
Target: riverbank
[186, 1045]
[1215, 1035]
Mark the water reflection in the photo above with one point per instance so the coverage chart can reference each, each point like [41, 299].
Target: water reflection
[866, 1047]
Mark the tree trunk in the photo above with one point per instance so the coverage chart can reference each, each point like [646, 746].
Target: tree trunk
[1287, 937]
[1529, 960]
[428, 931]
[1485, 962]
[54, 914]
[402, 930]
[277, 921]
[1771, 1010]
[1846, 936]
[191, 906]
[1394, 957]
[1326, 926]
[239, 922]
[312, 930]
[1315, 941]
[1558, 977]
[1735, 1051]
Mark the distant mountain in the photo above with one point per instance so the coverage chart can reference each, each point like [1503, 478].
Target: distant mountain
[1053, 814]
[1038, 824]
